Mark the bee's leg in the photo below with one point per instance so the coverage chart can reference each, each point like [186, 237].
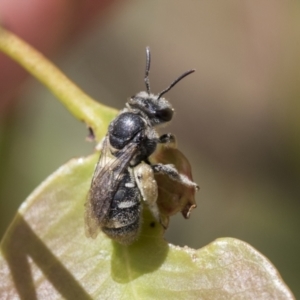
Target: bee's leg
[147, 185]
[173, 174]
[168, 139]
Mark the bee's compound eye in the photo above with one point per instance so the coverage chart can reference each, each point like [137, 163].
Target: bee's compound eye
[165, 114]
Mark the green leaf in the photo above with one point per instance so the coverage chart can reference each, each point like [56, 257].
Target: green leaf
[45, 255]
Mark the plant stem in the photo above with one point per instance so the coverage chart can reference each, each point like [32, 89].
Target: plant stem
[83, 107]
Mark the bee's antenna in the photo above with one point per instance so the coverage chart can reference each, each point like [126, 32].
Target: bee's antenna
[175, 81]
[148, 61]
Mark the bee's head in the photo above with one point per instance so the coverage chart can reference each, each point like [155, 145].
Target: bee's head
[157, 108]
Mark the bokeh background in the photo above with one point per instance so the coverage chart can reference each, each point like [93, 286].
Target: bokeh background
[237, 118]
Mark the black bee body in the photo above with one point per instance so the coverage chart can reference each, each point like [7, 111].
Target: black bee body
[124, 175]
[130, 127]
[123, 218]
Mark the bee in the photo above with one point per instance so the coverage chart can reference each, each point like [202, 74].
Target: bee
[124, 174]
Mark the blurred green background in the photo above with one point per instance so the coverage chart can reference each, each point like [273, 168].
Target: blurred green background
[237, 118]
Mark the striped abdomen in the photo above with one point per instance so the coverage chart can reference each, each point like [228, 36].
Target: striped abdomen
[123, 219]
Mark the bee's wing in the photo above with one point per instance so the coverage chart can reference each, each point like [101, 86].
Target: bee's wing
[106, 179]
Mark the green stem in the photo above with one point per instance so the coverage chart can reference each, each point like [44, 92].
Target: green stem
[83, 107]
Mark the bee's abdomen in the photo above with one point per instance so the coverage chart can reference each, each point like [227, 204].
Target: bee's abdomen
[123, 219]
